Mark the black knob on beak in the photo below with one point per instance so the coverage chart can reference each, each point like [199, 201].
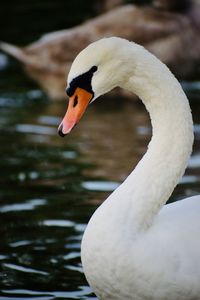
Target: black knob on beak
[60, 130]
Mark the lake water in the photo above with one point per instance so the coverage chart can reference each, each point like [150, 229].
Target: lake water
[50, 186]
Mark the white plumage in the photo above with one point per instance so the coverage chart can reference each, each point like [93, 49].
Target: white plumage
[134, 246]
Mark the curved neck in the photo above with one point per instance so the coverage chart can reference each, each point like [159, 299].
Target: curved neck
[153, 180]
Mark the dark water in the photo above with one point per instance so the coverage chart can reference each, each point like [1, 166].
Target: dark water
[49, 186]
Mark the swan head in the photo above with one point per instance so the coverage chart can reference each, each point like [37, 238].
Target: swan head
[93, 73]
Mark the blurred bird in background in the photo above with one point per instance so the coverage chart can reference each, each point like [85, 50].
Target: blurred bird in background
[168, 28]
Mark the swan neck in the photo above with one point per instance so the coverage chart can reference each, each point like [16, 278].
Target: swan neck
[153, 180]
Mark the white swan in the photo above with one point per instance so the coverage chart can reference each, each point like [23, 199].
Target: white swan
[134, 247]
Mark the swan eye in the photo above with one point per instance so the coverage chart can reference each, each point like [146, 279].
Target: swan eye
[94, 69]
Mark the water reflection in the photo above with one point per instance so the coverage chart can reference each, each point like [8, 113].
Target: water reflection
[29, 205]
[107, 186]
[51, 186]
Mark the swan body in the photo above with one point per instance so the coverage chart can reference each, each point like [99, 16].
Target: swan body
[136, 247]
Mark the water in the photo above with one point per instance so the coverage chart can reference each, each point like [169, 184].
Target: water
[44, 205]
[49, 186]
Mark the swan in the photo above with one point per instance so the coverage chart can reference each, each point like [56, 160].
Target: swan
[135, 247]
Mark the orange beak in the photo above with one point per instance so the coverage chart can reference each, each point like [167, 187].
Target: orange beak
[76, 107]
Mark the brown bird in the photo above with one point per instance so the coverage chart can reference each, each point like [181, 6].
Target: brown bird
[168, 28]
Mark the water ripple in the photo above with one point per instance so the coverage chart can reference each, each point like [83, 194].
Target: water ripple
[191, 86]
[24, 269]
[82, 292]
[3, 61]
[194, 161]
[104, 186]
[30, 205]
[19, 244]
[49, 120]
[58, 223]
[36, 129]
[71, 255]
[189, 179]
